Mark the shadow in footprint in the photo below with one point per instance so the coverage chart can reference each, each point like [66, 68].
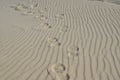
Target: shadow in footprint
[53, 42]
[73, 51]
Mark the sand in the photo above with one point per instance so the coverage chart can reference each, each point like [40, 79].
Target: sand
[59, 40]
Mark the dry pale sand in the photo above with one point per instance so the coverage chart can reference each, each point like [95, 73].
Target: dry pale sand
[59, 40]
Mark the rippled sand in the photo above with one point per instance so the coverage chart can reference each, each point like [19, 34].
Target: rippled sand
[59, 40]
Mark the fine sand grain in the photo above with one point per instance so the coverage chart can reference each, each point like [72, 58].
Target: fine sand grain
[59, 40]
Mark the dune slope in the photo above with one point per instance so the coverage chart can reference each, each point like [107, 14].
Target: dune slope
[59, 40]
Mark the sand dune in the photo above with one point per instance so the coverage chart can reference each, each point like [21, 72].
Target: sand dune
[59, 40]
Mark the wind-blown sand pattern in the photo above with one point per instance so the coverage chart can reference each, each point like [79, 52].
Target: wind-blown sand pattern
[59, 40]
[110, 1]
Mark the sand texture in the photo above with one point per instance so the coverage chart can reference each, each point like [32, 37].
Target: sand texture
[59, 40]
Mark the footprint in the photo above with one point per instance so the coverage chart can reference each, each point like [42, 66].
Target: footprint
[43, 11]
[63, 28]
[53, 42]
[58, 68]
[73, 51]
[32, 6]
[27, 13]
[62, 77]
[42, 26]
[59, 16]
[19, 7]
[24, 10]
[33, 2]
[41, 18]
[45, 26]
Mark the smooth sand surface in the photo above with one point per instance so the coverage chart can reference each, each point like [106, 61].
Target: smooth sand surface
[59, 40]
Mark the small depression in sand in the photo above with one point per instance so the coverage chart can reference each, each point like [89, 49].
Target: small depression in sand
[25, 10]
[32, 6]
[59, 16]
[43, 10]
[58, 68]
[63, 28]
[73, 51]
[41, 26]
[27, 13]
[41, 18]
[33, 3]
[19, 7]
[53, 42]
[62, 77]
